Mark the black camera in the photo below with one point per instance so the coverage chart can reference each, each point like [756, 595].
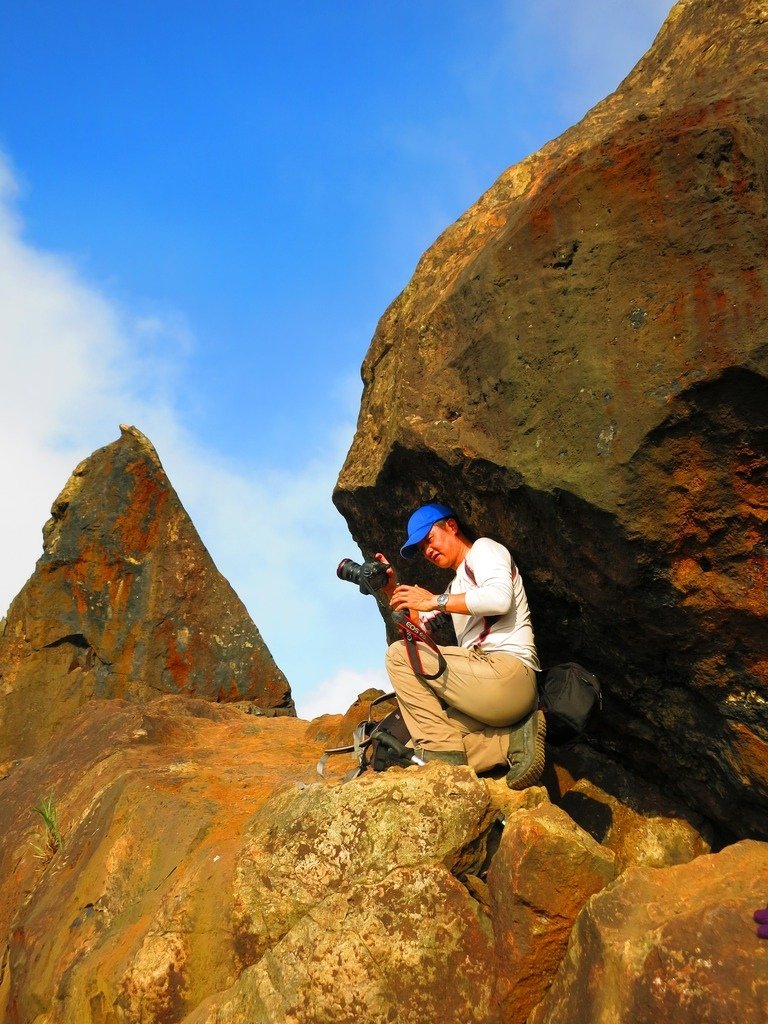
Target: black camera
[370, 576]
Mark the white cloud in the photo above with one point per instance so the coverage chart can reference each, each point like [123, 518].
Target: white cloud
[68, 357]
[74, 366]
[337, 694]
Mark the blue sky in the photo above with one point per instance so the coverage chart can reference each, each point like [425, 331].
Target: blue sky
[204, 210]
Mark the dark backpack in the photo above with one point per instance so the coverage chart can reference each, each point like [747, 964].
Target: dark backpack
[376, 745]
[568, 695]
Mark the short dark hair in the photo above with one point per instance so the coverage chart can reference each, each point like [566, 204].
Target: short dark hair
[468, 532]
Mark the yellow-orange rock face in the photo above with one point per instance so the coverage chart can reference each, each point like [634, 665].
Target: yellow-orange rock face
[669, 944]
[347, 904]
[125, 602]
[544, 871]
[204, 868]
[132, 919]
[578, 367]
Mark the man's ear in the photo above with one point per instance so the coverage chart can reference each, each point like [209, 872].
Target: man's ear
[452, 525]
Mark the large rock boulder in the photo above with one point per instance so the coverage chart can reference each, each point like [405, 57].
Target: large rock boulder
[349, 906]
[579, 367]
[124, 602]
[410, 947]
[202, 869]
[543, 873]
[196, 871]
[669, 944]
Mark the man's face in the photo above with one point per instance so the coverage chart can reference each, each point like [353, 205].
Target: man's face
[442, 547]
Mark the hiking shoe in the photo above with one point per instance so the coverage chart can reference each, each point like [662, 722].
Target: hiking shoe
[526, 753]
[448, 756]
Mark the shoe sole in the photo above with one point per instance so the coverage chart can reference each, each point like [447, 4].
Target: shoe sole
[533, 774]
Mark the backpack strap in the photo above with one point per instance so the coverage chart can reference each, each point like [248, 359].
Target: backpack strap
[362, 737]
[361, 740]
[489, 621]
[380, 700]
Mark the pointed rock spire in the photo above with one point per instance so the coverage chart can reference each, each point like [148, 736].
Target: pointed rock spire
[124, 602]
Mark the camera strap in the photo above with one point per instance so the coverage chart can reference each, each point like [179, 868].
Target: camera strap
[414, 635]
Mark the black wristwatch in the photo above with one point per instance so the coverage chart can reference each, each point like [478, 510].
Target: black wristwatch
[442, 602]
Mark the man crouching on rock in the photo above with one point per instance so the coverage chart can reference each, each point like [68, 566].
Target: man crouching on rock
[483, 709]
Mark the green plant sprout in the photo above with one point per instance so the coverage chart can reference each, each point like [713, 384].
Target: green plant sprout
[50, 838]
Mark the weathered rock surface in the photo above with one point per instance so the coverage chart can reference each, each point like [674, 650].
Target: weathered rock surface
[579, 366]
[132, 920]
[346, 902]
[206, 876]
[125, 602]
[628, 815]
[411, 947]
[669, 944]
[544, 871]
[203, 866]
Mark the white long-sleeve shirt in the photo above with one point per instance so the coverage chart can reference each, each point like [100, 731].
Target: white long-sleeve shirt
[499, 618]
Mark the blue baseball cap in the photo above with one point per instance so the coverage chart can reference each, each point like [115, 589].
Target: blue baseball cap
[421, 522]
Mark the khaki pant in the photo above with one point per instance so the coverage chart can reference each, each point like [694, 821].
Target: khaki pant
[470, 707]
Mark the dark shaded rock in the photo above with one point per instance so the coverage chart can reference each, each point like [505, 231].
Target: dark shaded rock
[124, 602]
[669, 944]
[624, 812]
[579, 366]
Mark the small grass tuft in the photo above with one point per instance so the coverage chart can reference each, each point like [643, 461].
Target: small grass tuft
[49, 836]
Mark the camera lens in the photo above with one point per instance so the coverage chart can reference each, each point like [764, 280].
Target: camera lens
[369, 576]
[349, 571]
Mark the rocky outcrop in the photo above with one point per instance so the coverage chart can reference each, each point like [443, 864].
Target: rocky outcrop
[669, 944]
[198, 872]
[125, 602]
[356, 893]
[130, 917]
[203, 870]
[578, 366]
[167, 859]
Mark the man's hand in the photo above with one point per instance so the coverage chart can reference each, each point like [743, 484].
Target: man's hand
[389, 588]
[416, 598]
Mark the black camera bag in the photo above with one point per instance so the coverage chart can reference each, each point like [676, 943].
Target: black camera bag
[568, 696]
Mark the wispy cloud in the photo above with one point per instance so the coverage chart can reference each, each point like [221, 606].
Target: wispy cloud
[332, 695]
[74, 366]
